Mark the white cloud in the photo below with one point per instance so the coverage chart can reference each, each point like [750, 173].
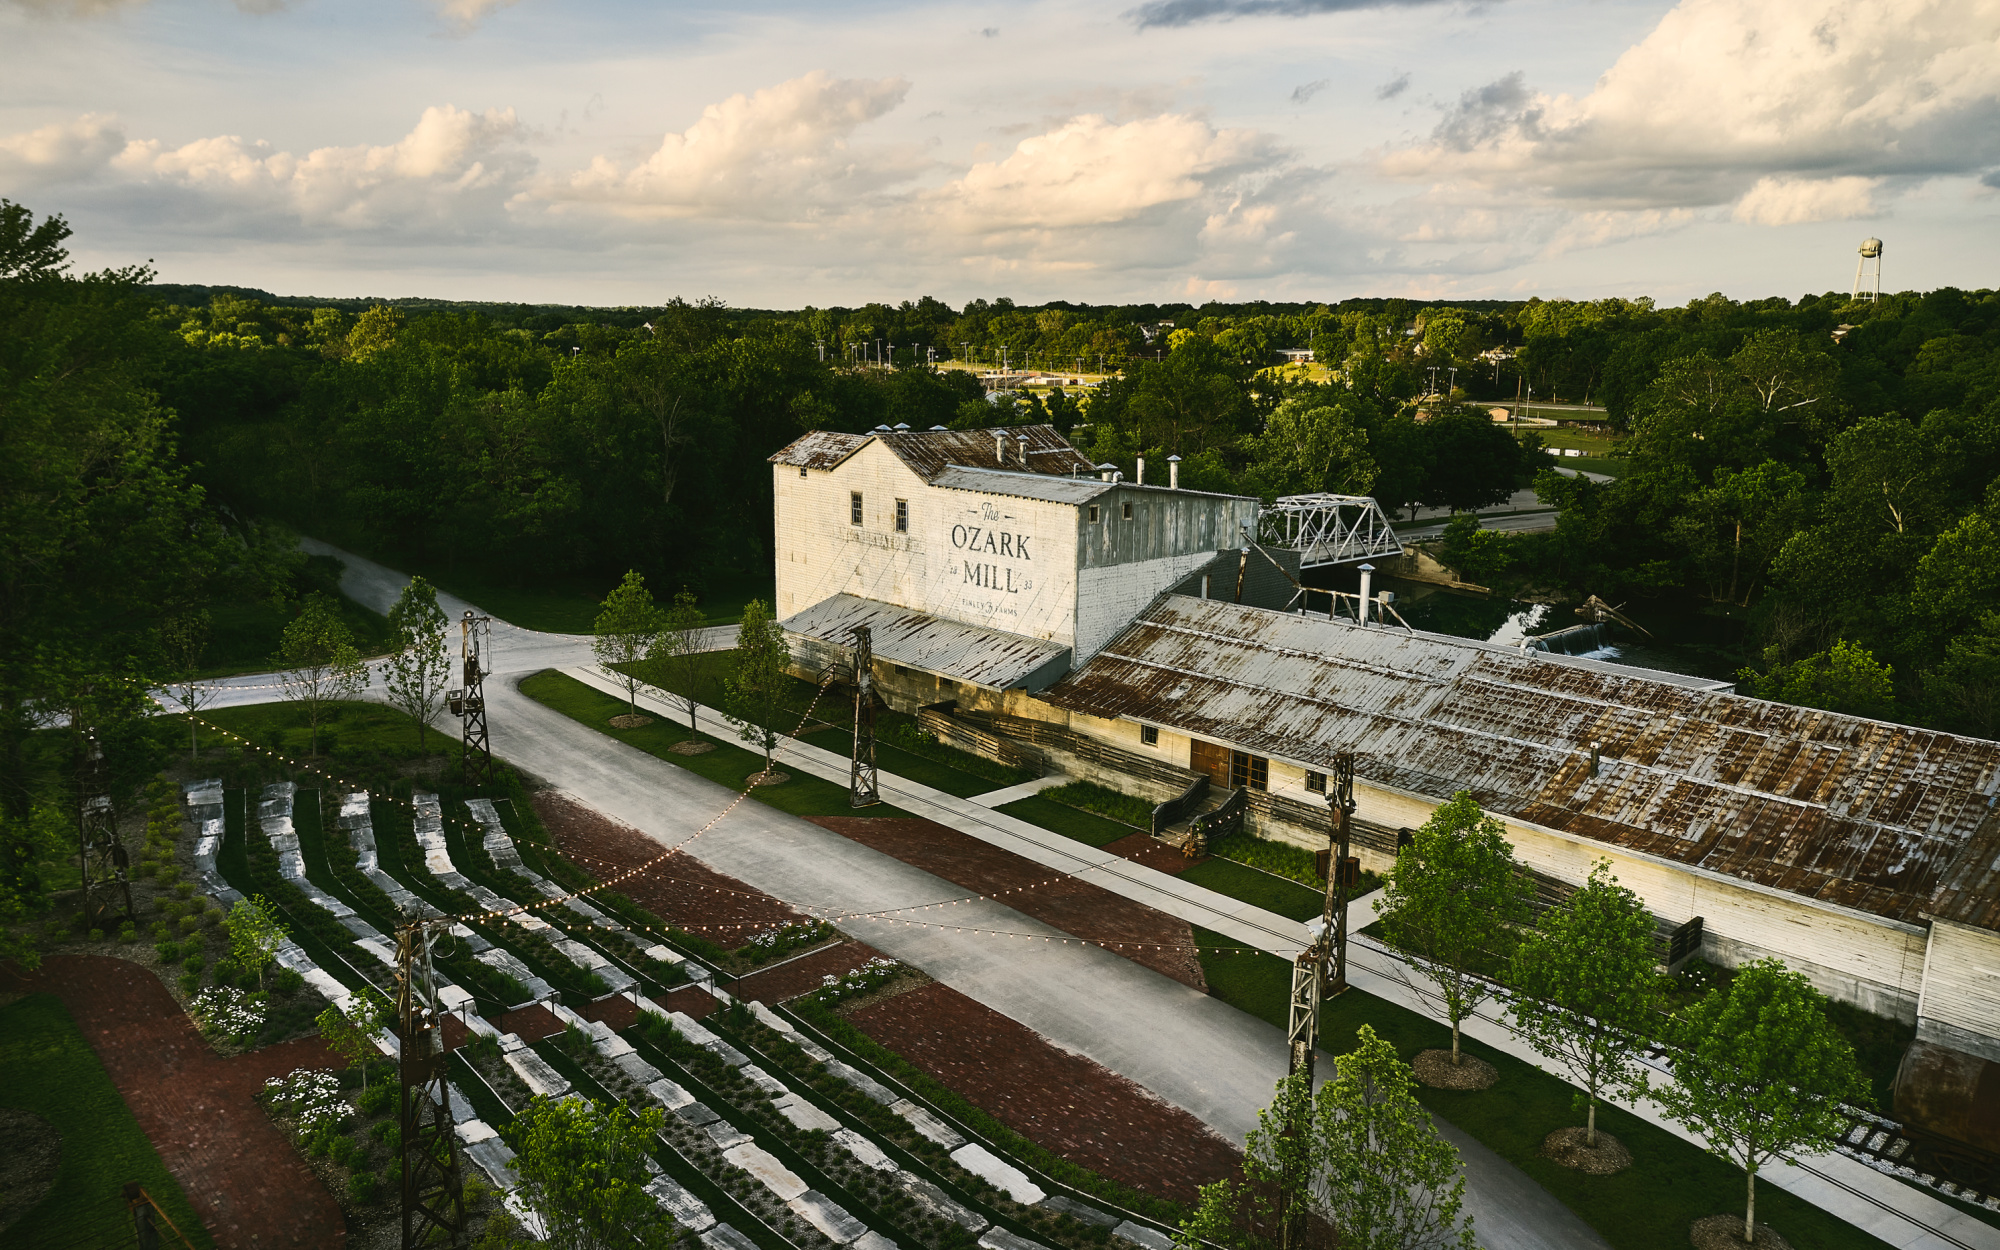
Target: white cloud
[782, 153]
[63, 152]
[453, 170]
[1725, 93]
[1791, 201]
[465, 14]
[1092, 172]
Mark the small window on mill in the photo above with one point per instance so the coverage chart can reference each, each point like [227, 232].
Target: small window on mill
[802, 470]
[854, 508]
[1149, 735]
[1316, 782]
[902, 516]
[1093, 514]
[1127, 511]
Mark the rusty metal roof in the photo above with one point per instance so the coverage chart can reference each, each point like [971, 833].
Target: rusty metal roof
[821, 449]
[984, 657]
[931, 452]
[1883, 818]
[1023, 485]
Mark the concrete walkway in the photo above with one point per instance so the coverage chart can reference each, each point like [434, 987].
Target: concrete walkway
[1027, 789]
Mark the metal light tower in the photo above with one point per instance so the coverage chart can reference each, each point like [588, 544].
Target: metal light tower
[1311, 984]
[1871, 249]
[863, 781]
[433, 1194]
[475, 648]
[101, 857]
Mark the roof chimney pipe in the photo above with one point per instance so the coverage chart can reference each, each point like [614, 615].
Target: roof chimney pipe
[1000, 448]
[1173, 472]
[1021, 445]
[1367, 576]
[1139, 478]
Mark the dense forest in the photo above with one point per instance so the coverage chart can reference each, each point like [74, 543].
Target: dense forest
[1822, 471]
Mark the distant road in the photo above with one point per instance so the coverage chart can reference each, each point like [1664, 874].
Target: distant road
[1522, 522]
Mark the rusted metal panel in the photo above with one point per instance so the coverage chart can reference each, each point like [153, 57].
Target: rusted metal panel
[930, 452]
[1014, 482]
[1883, 818]
[821, 449]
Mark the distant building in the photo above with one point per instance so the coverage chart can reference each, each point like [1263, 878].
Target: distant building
[1296, 355]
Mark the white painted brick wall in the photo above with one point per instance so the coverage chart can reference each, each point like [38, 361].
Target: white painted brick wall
[1109, 597]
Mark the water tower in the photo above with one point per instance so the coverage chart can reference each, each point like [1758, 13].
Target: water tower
[1871, 250]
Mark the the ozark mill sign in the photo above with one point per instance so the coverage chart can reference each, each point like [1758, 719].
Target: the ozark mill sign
[999, 568]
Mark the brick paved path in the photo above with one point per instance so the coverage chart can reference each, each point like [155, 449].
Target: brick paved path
[242, 1176]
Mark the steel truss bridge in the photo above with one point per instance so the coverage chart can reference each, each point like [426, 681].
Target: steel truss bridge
[1328, 529]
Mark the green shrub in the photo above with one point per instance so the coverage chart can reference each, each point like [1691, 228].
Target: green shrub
[189, 983]
[377, 1099]
[97, 935]
[365, 1187]
[194, 963]
[169, 952]
[184, 889]
[162, 931]
[285, 982]
[190, 923]
[128, 932]
[226, 970]
[1091, 797]
[172, 909]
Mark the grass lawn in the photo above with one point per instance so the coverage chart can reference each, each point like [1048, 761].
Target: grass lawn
[46, 1067]
[1648, 1206]
[1070, 822]
[728, 765]
[1262, 889]
[367, 744]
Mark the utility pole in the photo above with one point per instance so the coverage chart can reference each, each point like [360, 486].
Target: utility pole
[475, 634]
[433, 1195]
[863, 782]
[101, 857]
[1311, 984]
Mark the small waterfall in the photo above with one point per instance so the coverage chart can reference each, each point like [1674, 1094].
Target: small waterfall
[1580, 640]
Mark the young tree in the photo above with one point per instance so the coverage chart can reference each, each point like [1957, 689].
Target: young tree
[417, 674]
[1587, 988]
[351, 1033]
[756, 690]
[681, 651]
[320, 662]
[1452, 900]
[184, 639]
[627, 632]
[255, 933]
[1361, 1158]
[583, 1169]
[1388, 1180]
[1760, 1073]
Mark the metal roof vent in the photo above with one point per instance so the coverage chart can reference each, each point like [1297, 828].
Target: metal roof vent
[1104, 471]
[901, 427]
[1173, 472]
[1021, 445]
[937, 427]
[884, 429]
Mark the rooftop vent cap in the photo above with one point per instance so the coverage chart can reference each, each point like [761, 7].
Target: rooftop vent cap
[901, 427]
[885, 429]
[1173, 472]
[937, 427]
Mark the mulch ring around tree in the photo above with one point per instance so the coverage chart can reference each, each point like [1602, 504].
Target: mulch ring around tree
[1435, 1069]
[692, 746]
[769, 777]
[1059, 1100]
[630, 720]
[1725, 1232]
[1570, 1148]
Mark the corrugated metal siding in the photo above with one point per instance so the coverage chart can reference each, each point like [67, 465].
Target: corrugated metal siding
[1070, 490]
[930, 452]
[1883, 818]
[985, 657]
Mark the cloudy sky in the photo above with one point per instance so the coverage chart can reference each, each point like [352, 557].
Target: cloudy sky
[782, 154]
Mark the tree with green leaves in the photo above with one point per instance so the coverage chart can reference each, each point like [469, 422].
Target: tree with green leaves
[256, 931]
[321, 664]
[1586, 990]
[1760, 1073]
[1308, 446]
[1452, 902]
[1846, 677]
[350, 1032]
[184, 640]
[755, 692]
[417, 674]
[626, 634]
[32, 851]
[681, 651]
[583, 1169]
[1361, 1159]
